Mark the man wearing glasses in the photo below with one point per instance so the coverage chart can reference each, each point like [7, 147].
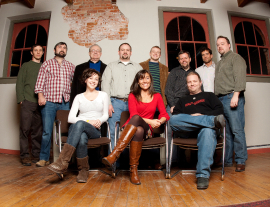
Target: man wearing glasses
[95, 52]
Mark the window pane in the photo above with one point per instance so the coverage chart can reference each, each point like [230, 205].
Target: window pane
[239, 34]
[242, 50]
[26, 56]
[172, 30]
[185, 28]
[265, 61]
[259, 36]
[190, 48]
[198, 53]
[31, 35]
[15, 63]
[254, 60]
[172, 51]
[198, 31]
[20, 39]
[249, 33]
[42, 36]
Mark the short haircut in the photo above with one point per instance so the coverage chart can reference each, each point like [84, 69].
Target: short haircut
[88, 73]
[59, 43]
[125, 43]
[206, 49]
[226, 38]
[155, 47]
[183, 52]
[194, 73]
[35, 45]
[95, 45]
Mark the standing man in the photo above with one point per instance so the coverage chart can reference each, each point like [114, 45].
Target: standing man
[30, 111]
[95, 52]
[199, 114]
[230, 84]
[176, 87]
[116, 81]
[159, 71]
[53, 89]
[207, 70]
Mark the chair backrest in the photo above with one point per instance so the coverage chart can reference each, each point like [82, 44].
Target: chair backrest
[62, 116]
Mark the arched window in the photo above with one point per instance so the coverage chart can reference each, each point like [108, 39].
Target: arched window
[251, 41]
[185, 31]
[24, 36]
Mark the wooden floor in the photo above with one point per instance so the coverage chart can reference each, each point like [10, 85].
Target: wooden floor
[32, 186]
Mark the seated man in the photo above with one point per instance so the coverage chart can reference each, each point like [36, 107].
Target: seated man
[199, 113]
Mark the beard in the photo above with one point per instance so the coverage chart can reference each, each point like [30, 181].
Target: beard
[60, 54]
[185, 67]
[126, 57]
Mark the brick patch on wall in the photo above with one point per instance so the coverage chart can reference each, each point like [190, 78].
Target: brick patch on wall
[93, 20]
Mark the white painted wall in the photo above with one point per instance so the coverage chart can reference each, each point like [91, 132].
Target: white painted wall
[143, 34]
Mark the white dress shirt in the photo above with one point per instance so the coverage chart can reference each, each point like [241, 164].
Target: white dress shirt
[208, 76]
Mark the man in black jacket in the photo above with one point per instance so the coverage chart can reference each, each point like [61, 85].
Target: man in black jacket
[95, 53]
[199, 113]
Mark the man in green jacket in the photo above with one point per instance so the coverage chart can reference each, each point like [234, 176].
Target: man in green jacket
[30, 111]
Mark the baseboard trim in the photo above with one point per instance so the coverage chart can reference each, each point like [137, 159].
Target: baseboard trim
[11, 152]
[258, 151]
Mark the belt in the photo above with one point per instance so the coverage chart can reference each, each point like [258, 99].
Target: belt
[121, 99]
[221, 95]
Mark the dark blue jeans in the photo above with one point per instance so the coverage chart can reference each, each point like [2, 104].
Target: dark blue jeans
[78, 136]
[235, 132]
[48, 113]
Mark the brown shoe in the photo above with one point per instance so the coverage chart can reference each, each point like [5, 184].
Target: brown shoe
[61, 164]
[83, 168]
[42, 163]
[239, 168]
[122, 142]
[134, 156]
[26, 161]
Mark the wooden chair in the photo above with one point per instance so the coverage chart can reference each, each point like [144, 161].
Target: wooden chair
[60, 133]
[191, 144]
[153, 143]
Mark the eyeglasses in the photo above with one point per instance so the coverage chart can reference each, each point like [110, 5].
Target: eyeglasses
[93, 51]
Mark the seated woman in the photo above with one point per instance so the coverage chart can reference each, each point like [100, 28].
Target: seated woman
[142, 104]
[93, 111]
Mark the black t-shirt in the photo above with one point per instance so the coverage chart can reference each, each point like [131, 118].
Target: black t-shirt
[205, 103]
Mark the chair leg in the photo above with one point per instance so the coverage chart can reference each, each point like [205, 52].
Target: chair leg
[223, 153]
[168, 171]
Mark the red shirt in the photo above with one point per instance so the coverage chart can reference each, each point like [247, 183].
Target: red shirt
[54, 80]
[146, 110]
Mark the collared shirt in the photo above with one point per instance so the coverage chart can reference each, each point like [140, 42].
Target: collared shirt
[118, 77]
[54, 80]
[230, 74]
[207, 75]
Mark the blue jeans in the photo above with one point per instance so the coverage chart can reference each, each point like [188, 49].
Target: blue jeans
[206, 140]
[235, 132]
[48, 113]
[78, 135]
[119, 106]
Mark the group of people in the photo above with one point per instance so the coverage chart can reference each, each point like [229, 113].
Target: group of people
[99, 92]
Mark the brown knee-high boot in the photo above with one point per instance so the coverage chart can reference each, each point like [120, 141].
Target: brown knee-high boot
[122, 142]
[135, 151]
[61, 164]
[83, 167]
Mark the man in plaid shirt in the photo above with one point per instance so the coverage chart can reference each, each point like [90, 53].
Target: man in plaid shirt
[53, 89]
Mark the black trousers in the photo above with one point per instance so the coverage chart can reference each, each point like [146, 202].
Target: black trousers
[30, 122]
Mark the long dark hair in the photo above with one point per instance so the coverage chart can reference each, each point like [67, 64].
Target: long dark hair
[136, 89]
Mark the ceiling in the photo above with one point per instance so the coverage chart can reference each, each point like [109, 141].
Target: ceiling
[31, 3]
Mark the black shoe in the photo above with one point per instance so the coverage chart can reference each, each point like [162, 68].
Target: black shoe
[26, 161]
[202, 183]
[219, 121]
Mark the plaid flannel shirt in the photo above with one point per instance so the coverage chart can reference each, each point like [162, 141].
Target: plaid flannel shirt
[54, 80]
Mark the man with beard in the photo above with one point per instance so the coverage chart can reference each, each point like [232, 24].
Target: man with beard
[95, 52]
[53, 89]
[116, 81]
[30, 111]
[207, 70]
[176, 87]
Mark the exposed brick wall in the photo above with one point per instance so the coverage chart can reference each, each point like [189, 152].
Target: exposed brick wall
[93, 20]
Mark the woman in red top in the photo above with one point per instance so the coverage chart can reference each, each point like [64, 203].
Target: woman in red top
[142, 104]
